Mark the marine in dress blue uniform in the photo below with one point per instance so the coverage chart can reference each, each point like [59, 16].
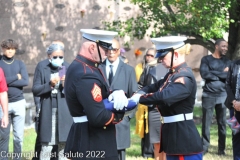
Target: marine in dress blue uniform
[175, 97]
[92, 135]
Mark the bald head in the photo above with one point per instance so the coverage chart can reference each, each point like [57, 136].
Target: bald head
[115, 44]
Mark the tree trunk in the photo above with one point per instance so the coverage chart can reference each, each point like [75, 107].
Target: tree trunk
[234, 32]
[237, 48]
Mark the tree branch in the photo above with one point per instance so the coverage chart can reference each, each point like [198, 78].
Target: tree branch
[206, 44]
[199, 40]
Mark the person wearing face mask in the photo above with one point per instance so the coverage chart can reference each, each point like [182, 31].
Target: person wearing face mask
[55, 119]
[16, 78]
[38, 146]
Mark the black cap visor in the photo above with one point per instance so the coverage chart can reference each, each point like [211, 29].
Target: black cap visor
[105, 45]
[101, 43]
[163, 52]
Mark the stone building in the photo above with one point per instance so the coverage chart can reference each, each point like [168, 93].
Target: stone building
[35, 23]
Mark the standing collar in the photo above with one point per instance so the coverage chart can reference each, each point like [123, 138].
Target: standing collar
[87, 61]
[182, 65]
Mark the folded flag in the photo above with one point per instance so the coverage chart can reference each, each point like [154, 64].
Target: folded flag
[109, 106]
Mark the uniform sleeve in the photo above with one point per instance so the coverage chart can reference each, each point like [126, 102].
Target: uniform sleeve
[24, 80]
[174, 92]
[151, 88]
[3, 83]
[205, 72]
[90, 95]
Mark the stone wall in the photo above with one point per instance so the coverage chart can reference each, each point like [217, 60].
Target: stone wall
[35, 23]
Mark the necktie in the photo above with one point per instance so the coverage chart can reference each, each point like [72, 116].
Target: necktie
[110, 76]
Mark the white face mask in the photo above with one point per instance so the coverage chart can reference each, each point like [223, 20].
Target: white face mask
[57, 62]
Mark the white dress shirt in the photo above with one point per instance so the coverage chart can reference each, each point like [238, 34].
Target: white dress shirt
[114, 65]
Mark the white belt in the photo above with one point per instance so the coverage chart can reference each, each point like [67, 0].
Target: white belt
[80, 119]
[177, 118]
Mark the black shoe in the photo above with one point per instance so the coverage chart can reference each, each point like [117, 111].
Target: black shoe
[221, 153]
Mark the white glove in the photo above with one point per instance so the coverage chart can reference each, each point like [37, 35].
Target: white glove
[119, 99]
[136, 97]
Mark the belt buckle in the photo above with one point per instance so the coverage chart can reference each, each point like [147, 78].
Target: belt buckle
[161, 119]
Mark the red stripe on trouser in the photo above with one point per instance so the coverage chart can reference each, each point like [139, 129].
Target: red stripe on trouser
[181, 157]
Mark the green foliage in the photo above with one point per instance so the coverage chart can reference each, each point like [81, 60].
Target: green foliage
[204, 18]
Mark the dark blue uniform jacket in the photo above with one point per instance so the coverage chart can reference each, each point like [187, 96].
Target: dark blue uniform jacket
[174, 95]
[85, 88]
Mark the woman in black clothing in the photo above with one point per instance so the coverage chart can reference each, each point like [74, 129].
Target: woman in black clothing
[48, 84]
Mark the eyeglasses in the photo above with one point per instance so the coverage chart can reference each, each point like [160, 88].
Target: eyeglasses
[115, 49]
[149, 55]
[55, 57]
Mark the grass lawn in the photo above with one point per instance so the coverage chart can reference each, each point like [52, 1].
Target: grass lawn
[134, 152]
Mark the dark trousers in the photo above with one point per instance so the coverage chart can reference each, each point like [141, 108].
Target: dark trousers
[236, 146]
[122, 154]
[146, 147]
[208, 106]
[236, 141]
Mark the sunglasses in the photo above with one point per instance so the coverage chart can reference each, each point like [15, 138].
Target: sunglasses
[149, 55]
[55, 57]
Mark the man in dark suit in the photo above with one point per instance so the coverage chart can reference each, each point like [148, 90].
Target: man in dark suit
[120, 76]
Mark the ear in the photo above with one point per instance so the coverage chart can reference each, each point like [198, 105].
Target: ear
[91, 48]
[176, 54]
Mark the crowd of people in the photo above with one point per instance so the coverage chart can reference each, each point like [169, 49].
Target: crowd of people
[73, 120]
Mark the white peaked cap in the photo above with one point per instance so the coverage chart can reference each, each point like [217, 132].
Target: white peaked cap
[98, 35]
[166, 43]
